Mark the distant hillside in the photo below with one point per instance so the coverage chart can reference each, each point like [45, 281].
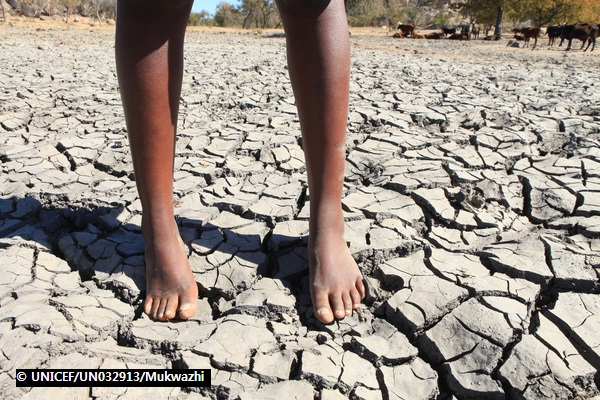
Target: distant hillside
[423, 13]
[60, 9]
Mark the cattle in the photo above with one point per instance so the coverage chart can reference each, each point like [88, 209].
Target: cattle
[475, 32]
[528, 33]
[448, 31]
[584, 32]
[565, 30]
[465, 30]
[554, 32]
[435, 35]
[406, 30]
[458, 36]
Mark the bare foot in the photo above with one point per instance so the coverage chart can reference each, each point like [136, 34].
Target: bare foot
[171, 288]
[336, 284]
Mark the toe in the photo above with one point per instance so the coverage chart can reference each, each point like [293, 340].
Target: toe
[148, 305]
[356, 298]
[360, 286]
[347, 304]
[337, 304]
[188, 302]
[187, 310]
[155, 307]
[322, 308]
[160, 312]
[169, 312]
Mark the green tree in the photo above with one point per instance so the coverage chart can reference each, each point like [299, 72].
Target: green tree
[410, 15]
[541, 13]
[227, 15]
[488, 12]
[200, 18]
[263, 13]
[374, 12]
[440, 20]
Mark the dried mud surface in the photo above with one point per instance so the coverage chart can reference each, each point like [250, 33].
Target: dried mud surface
[471, 199]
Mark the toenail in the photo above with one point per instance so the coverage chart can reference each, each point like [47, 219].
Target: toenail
[340, 312]
[185, 306]
[323, 310]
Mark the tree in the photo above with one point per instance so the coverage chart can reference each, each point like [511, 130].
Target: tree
[589, 11]
[374, 12]
[227, 15]
[441, 20]
[410, 15]
[488, 12]
[540, 13]
[70, 6]
[262, 12]
[200, 18]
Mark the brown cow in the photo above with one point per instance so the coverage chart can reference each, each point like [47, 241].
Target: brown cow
[458, 36]
[528, 33]
[406, 30]
[435, 35]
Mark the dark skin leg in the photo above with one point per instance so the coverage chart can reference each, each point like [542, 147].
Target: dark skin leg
[149, 53]
[318, 51]
[149, 64]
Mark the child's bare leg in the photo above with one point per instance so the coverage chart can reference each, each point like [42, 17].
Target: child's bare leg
[149, 52]
[319, 64]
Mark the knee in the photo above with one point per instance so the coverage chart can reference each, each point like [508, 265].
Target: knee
[303, 7]
[160, 7]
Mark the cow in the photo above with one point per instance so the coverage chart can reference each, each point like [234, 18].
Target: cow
[527, 34]
[406, 30]
[565, 30]
[448, 31]
[435, 35]
[465, 30]
[475, 32]
[554, 32]
[584, 32]
[458, 36]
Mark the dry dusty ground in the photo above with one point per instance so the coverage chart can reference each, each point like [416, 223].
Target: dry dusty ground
[471, 198]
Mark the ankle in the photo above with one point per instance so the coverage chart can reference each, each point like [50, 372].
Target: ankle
[159, 226]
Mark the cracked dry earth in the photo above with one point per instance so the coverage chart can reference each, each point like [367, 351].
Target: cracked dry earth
[471, 198]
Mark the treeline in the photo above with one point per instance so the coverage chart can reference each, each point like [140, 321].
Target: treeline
[537, 13]
[98, 9]
[260, 14]
[423, 13]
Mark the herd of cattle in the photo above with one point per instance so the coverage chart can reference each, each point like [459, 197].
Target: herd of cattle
[587, 33]
[462, 32]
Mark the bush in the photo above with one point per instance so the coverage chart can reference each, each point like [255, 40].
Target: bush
[440, 20]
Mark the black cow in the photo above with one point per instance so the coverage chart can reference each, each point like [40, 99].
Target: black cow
[449, 31]
[566, 30]
[587, 33]
[465, 30]
[554, 32]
